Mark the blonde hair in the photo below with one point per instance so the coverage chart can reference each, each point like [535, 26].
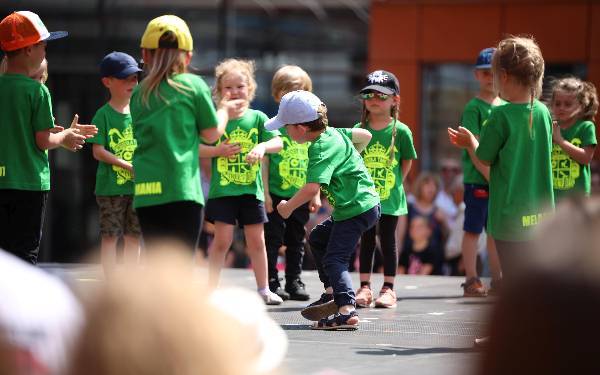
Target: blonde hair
[157, 320]
[244, 67]
[165, 63]
[289, 78]
[584, 92]
[42, 73]
[395, 113]
[521, 58]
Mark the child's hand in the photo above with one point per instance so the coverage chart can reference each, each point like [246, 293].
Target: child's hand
[462, 137]
[283, 210]
[268, 203]
[88, 131]
[227, 149]
[315, 203]
[72, 140]
[556, 135]
[56, 129]
[235, 108]
[256, 154]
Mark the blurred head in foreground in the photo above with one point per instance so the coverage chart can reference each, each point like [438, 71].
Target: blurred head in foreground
[159, 320]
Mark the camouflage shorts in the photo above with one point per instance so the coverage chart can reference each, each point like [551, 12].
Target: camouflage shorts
[117, 216]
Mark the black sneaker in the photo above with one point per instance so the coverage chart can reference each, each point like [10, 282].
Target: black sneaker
[297, 290]
[276, 288]
[322, 308]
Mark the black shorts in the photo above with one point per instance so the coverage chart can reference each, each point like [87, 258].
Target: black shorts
[241, 210]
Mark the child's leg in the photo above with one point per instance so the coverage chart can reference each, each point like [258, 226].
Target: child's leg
[367, 250]
[131, 249]
[469, 253]
[387, 239]
[108, 253]
[493, 259]
[218, 250]
[274, 234]
[343, 239]
[255, 245]
[294, 241]
[318, 241]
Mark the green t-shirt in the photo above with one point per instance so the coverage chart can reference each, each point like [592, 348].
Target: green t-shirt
[287, 168]
[475, 114]
[233, 176]
[168, 134]
[387, 175]
[116, 135]
[25, 108]
[334, 163]
[520, 171]
[569, 176]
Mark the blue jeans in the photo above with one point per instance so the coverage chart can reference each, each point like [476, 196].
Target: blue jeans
[332, 244]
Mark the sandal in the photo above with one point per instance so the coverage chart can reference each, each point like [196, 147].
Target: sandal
[338, 322]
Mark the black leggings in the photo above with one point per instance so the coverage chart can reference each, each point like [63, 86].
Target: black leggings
[180, 221]
[387, 240]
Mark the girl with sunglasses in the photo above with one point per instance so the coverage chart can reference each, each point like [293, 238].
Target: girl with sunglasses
[388, 158]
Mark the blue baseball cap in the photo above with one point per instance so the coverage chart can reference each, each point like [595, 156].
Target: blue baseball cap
[119, 65]
[484, 60]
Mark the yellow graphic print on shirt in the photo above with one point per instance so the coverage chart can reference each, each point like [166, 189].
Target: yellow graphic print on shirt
[565, 170]
[292, 167]
[235, 169]
[377, 161]
[328, 195]
[123, 146]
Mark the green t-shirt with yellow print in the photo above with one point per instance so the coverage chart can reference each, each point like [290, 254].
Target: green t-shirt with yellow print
[287, 168]
[334, 163]
[520, 171]
[25, 108]
[116, 135]
[386, 173]
[167, 132]
[569, 176]
[233, 176]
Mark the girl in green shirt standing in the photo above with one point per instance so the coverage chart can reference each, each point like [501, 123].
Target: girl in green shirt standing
[236, 195]
[172, 112]
[574, 105]
[388, 158]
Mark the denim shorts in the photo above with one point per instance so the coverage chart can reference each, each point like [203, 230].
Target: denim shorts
[476, 207]
[241, 210]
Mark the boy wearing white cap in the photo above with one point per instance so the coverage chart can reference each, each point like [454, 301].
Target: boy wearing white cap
[335, 167]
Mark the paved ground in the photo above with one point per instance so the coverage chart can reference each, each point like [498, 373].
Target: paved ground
[430, 332]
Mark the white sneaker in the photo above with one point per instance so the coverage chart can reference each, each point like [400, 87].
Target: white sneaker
[271, 298]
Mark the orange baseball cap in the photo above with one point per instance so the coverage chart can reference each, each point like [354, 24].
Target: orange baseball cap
[24, 28]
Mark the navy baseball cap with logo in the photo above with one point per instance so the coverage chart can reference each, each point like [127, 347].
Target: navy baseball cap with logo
[381, 81]
[119, 65]
[484, 60]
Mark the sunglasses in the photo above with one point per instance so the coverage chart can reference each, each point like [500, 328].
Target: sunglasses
[371, 95]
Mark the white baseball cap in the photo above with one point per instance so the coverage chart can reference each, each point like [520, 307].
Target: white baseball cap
[296, 107]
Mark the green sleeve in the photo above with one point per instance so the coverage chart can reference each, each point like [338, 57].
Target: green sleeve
[320, 169]
[492, 138]
[264, 134]
[101, 123]
[405, 140]
[470, 119]
[41, 117]
[588, 134]
[206, 114]
[347, 132]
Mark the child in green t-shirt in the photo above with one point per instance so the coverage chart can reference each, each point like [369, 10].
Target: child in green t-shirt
[475, 179]
[336, 168]
[284, 173]
[27, 128]
[574, 105]
[172, 112]
[114, 147]
[516, 143]
[236, 194]
[388, 158]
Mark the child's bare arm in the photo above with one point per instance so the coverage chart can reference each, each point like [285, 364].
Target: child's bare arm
[257, 153]
[72, 139]
[308, 191]
[479, 165]
[360, 138]
[225, 149]
[582, 155]
[406, 165]
[265, 178]
[463, 138]
[105, 156]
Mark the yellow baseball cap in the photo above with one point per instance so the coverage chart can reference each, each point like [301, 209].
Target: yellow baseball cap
[158, 26]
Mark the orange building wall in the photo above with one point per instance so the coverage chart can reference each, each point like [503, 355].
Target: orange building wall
[406, 34]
